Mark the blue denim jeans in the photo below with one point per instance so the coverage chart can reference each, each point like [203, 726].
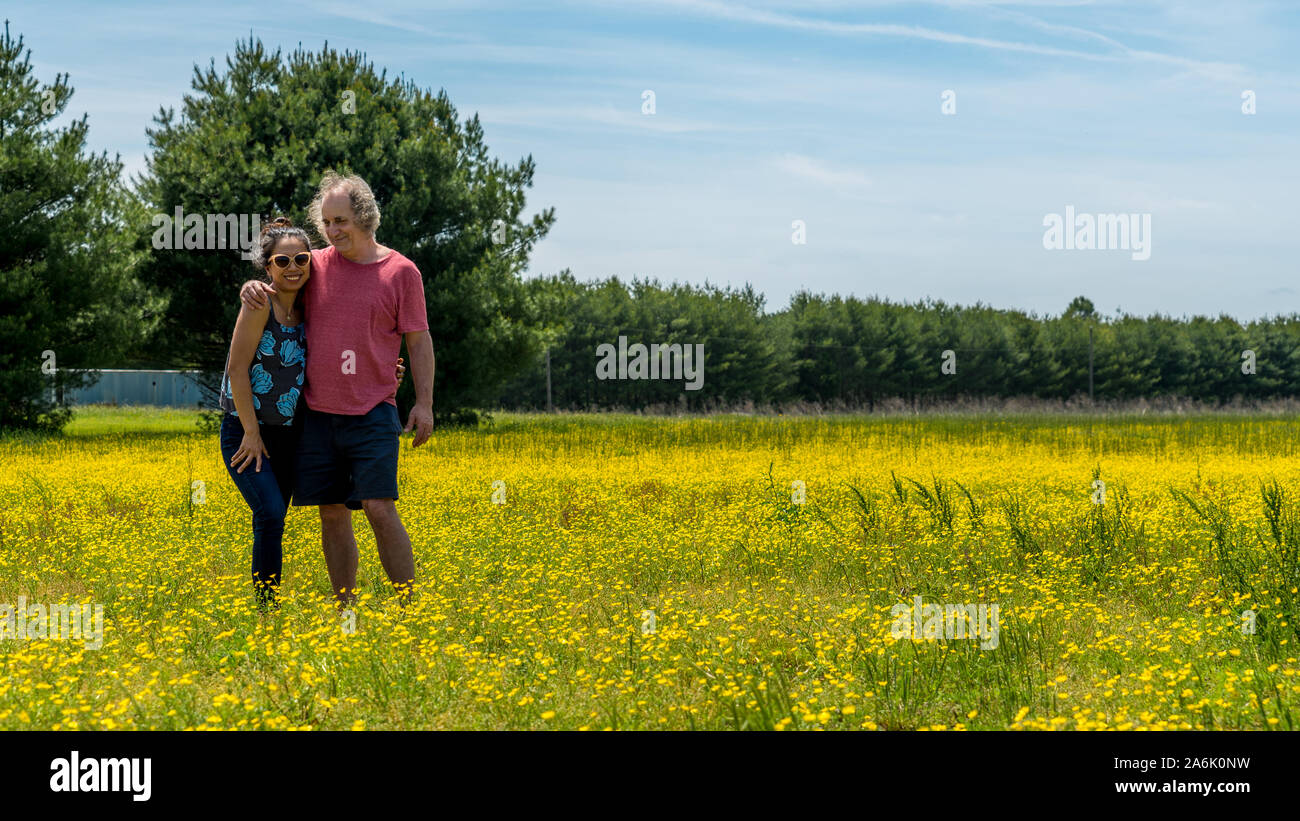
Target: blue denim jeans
[267, 493]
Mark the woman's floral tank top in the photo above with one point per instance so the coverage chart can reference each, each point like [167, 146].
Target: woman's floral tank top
[276, 374]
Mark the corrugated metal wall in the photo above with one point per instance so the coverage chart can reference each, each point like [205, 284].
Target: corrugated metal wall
[174, 389]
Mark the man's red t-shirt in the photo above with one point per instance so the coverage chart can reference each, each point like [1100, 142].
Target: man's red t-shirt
[354, 317]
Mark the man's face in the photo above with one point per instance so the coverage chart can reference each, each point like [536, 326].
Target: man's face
[336, 211]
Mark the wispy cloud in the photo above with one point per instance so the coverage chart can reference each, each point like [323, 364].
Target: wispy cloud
[369, 13]
[569, 117]
[812, 169]
[1119, 52]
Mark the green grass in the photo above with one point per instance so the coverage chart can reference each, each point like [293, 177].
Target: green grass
[101, 420]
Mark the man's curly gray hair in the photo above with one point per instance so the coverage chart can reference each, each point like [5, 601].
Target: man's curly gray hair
[365, 210]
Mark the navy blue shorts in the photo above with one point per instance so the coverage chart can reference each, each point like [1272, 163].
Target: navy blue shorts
[344, 459]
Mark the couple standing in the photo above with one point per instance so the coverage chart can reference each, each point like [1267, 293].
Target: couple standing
[309, 391]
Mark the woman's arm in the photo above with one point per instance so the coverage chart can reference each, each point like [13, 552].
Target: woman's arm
[243, 346]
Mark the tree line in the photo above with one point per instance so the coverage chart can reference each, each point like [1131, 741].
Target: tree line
[836, 350]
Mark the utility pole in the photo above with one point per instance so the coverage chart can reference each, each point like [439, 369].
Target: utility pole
[549, 409]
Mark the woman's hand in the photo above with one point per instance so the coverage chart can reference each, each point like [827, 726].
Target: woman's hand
[401, 371]
[250, 450]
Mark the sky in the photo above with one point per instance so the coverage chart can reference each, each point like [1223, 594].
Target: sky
[906, 151]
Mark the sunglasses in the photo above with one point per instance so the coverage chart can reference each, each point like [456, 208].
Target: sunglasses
[282, 260]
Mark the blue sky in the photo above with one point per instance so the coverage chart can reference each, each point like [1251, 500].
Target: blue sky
[825, 112]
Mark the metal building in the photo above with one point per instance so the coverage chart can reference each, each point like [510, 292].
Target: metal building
[176, 389]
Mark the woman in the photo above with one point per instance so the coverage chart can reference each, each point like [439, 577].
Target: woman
[259, 393]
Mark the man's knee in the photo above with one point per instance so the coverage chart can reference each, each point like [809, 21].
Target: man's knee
[335, 514]
[379, 508]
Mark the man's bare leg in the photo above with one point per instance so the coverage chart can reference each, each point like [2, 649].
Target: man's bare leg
[393, 542]
[340, 546]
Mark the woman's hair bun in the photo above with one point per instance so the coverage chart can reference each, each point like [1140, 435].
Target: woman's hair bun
[278, 222]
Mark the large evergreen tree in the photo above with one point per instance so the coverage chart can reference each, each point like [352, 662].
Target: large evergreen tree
[68, 295]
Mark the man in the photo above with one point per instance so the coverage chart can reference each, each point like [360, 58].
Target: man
[363, 300]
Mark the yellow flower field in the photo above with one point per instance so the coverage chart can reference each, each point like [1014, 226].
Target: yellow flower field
[721, 573]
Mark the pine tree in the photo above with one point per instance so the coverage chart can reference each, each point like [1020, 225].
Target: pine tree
[68, 295]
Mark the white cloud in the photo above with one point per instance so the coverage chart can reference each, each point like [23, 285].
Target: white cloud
[565, 116]
[809, 168]
[1119, 52]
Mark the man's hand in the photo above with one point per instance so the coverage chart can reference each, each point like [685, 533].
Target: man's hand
[255, 294]
[421, 419]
